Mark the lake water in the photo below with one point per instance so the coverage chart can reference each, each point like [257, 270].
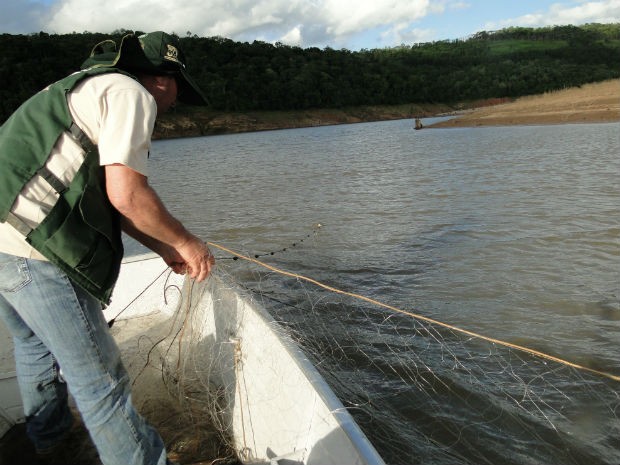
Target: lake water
[510, 232]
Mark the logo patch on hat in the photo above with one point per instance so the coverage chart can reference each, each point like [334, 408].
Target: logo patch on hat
[172, 54]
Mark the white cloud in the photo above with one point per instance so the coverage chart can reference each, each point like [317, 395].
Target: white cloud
[302, 22]
[576, 12]
[292, 37]
[460, 5]
[352, 16]
[404, 33]
[320, 23]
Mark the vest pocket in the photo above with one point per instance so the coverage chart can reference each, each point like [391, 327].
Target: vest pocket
[72, 240]
[106, 251]
[88, 240]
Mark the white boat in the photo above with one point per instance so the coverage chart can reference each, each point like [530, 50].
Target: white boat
[271, 401]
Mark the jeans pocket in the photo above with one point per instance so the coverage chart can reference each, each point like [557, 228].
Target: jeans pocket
[14, 273]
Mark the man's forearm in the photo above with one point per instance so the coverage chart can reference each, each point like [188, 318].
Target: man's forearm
[138, 235]
[147, 219]
[144, 215]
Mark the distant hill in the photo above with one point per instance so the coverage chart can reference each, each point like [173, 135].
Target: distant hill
[241, 76]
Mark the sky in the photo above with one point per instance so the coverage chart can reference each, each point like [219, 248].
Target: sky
[349, 24]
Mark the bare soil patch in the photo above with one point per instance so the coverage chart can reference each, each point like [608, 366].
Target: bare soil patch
[590, 103]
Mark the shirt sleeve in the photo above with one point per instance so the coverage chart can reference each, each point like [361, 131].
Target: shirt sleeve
[118, 114]
[127, 121]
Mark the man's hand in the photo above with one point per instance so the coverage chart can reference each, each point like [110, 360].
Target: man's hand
[168, 253]
[197, 259]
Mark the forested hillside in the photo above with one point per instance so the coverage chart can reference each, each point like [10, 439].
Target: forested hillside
[261, 76]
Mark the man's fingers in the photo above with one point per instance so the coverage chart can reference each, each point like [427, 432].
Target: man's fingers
[202, 268]
[199, 260]
[207, 263]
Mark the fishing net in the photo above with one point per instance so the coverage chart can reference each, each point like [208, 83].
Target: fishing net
[422, 391]
[429, 393]
[171, 371]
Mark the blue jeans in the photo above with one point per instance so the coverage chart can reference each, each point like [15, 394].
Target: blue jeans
[55, 323]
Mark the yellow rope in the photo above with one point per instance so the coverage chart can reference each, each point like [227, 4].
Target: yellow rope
[418, 316]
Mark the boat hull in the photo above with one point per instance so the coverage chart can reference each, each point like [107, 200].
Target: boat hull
[272, 403]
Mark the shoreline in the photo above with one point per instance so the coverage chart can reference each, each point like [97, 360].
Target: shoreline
[591, 103]
[193, 122]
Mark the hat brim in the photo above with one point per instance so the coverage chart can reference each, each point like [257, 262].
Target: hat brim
[189, 92]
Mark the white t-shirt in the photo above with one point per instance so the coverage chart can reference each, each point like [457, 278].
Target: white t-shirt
[118, 115]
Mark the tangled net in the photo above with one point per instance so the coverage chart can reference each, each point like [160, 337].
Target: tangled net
[422, 392]
[428, 393]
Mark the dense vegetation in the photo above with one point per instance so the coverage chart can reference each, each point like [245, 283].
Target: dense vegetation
[261, 76]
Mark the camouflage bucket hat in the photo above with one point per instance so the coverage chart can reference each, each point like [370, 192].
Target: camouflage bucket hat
[153, 53]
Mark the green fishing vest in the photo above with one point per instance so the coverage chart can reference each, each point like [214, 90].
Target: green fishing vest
[81, 234]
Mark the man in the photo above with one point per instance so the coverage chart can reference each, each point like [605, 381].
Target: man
[72, 176]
